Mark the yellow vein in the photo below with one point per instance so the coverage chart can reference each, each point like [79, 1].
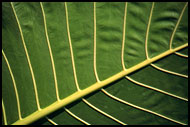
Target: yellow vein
[71, 50]
[14, 84]
[28, 58]
[122, 61]
[102, 112]
[50, 52]
[156, 89]
[95, 70]
[94, 87]
[171, 39]
[167, 71]
[146, 47]
[74, 72]
[123, 42]
[4, 113]
[51, 121]
[147, 32]
[96, 74]
[76, 117]
[73, 64]
[143, 109]
[122, 58]
[180, 54]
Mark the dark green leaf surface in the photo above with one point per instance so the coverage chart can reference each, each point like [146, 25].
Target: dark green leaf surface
[109, 37]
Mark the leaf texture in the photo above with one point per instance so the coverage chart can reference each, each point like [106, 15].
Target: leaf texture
[95, 63]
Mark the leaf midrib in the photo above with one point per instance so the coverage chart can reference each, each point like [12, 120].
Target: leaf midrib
[96, 86]
[79, 94]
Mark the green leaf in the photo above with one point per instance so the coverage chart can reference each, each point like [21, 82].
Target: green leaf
[95, 63]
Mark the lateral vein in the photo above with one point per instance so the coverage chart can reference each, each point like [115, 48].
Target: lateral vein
[182, 55]
[96, 86]
[71, 50]
[141, 108]
[102, 112]
[169, 72]
[147, 32]
[14, 84]
[51, 121]
[171, 39]
[50, 52]
[156, 89]
[123, 41]
[4, 113]
[28, 58]
[76, 117]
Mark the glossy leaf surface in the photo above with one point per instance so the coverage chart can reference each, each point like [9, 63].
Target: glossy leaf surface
[51, 51]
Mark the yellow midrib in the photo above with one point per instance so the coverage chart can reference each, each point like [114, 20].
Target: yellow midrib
[96, 86]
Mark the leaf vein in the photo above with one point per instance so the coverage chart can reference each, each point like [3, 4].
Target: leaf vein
[182, 55]
[171, 39]
[14, 85]
[156, 89]
[167, 71]
[4, 113]
[50, 52]
[71, 50]
[51, 121]
[76, 117]
[28, 58]
[102, 112]
[140, 108]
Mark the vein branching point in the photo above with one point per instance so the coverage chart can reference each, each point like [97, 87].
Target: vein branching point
[79, 94]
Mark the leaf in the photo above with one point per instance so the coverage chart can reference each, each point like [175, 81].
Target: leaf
[95, 63]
